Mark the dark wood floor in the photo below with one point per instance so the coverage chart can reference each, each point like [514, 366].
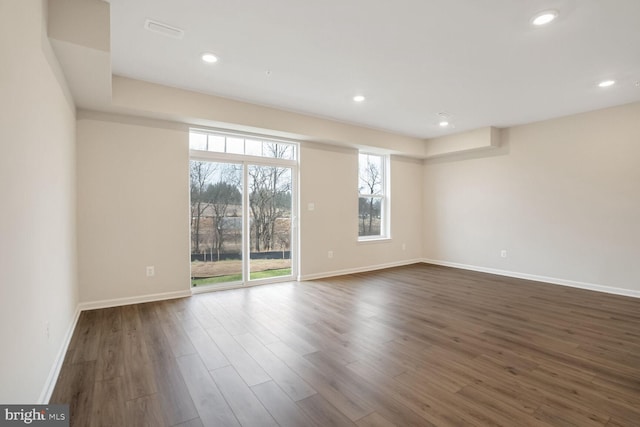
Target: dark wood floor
[412, 346]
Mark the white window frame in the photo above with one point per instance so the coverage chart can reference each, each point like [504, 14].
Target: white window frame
[244, 136]
[384, 196]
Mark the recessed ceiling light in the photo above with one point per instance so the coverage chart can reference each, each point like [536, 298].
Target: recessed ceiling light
[444, 119]
[209, 58]
[544, 18]
[606, 83]
[358, 98]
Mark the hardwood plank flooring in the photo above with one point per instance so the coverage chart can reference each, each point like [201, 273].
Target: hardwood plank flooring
[108, 403]
[209, 402]
[420, 345]
[242, 400]
[283, 409]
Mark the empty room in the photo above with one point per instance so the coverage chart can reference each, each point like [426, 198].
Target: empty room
[337, 213]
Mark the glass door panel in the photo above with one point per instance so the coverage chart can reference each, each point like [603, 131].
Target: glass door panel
[216, 223]
[270, 221]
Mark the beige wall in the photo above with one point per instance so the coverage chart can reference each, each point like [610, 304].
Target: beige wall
[329, 180]
[561, 196]
[37, 189]
[133, 208]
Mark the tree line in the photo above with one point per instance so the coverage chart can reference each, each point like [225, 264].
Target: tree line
[216, 196]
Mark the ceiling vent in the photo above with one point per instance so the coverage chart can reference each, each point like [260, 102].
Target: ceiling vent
[164, 29]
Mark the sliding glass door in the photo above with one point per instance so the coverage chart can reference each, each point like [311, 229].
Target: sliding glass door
[270, 221]
[216, 223]
[243, 213]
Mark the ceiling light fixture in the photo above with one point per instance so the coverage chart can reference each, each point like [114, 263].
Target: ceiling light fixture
[444, 119]
[209, 58]
[359, 98]
[544, 18]
[606, 83]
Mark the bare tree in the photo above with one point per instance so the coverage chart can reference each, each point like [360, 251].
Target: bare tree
[278, 151]
[220, 196]
[269, 197]
[216, 188]
[268, 187]
[284, 237]
[370, 184]
[199, 174]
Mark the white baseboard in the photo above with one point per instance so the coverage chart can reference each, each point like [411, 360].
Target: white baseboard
[52, 378]
[534, 277]
[133, 300]
[358, 270]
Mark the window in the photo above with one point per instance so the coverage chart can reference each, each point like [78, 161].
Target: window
[239, 144]
[373, 218]
[243, 209]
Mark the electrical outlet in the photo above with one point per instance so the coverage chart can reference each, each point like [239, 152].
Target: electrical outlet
[47, 329]
[503, 253]
[151, 271]
[404, 246]
[330, 254]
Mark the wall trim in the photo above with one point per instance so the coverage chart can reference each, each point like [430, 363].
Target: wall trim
[358, 269]
[545, 279]
[52, 378]
[116, 302]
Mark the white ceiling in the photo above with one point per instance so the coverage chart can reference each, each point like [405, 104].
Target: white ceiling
[478, 60]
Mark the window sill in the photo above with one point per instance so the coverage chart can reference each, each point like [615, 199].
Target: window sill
[367, 240]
